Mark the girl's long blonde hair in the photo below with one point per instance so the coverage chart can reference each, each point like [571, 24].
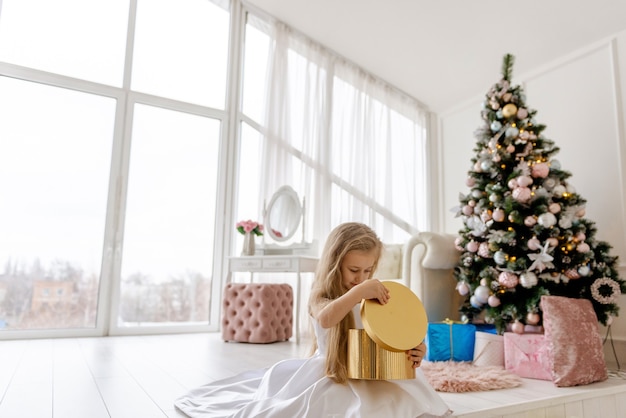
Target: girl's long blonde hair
[328, 285]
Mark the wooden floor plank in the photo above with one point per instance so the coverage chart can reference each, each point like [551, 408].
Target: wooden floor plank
[75, 392]
[27, 400]
[141, 376]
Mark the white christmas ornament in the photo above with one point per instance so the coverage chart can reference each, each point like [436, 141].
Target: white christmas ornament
[475, 303]
[559, 190]
[547, 220]
[528, 279]
[541, 261]
[482, 294]
[500, 257]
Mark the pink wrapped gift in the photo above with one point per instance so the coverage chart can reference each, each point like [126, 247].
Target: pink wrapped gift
[526, 355]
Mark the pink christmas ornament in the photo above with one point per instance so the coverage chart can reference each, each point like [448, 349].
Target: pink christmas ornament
[580, 213]
[532, 318]
[530, 221]
[540, 170]
[581, 236]
[483, 250]
[522, 113]
[524, 135]
[470, 181]
[583, 247]
[493, 301]
[472, 203]
[517, 327]
[457, 243]
[534, 244]
[510, 148]
[552, 242]
[554, 208]
[508, 279]
[472, 246]
[522, 194]
[462, 288]
[498, 215]
[477, 167]
[572, 274]
[524, 181]
[467, 210]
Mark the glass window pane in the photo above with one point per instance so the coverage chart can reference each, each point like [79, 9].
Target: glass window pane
[256, 54]
[167, 261]
[249, 179]
[55, 154]
[76, 38]
[181, 50]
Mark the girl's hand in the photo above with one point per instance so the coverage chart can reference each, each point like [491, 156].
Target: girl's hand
[416, 355]
[373, 289]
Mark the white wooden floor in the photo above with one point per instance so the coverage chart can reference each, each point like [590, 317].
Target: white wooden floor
[140, 376]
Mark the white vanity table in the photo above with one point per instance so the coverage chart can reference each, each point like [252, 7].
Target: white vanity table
[276, 264]
[281, 253]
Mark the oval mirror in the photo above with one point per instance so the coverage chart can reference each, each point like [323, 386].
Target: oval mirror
[283, 214]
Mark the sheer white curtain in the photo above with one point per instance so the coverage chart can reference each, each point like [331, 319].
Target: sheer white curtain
[351, 144]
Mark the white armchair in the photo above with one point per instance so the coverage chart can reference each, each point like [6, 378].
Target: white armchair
[427, 268]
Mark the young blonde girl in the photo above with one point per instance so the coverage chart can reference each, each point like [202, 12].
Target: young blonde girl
[348, 259]
[318, 386]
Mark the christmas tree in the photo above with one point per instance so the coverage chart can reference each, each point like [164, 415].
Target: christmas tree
[524, 232]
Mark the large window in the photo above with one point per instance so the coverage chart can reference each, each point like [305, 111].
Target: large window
[111, 170]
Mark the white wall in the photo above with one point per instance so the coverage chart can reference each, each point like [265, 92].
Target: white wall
[581, 98]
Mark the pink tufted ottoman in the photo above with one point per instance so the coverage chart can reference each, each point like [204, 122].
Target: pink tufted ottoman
[257, 312]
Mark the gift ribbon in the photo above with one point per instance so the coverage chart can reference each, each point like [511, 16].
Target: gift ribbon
[451, 322]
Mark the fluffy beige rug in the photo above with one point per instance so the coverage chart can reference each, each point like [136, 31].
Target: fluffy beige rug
[449, 376]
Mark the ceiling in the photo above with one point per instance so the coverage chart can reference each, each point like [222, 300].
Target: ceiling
[446, 52]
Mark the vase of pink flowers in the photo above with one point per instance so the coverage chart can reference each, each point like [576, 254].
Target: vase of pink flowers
[249, 229]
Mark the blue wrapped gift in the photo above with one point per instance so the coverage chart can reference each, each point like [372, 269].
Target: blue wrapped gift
[450, 340]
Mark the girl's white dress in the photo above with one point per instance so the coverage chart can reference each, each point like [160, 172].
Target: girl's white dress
[297, 388]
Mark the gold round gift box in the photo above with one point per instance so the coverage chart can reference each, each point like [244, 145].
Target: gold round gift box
[378, 352]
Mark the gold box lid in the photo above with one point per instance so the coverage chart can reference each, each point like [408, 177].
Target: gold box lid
[398, 325]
